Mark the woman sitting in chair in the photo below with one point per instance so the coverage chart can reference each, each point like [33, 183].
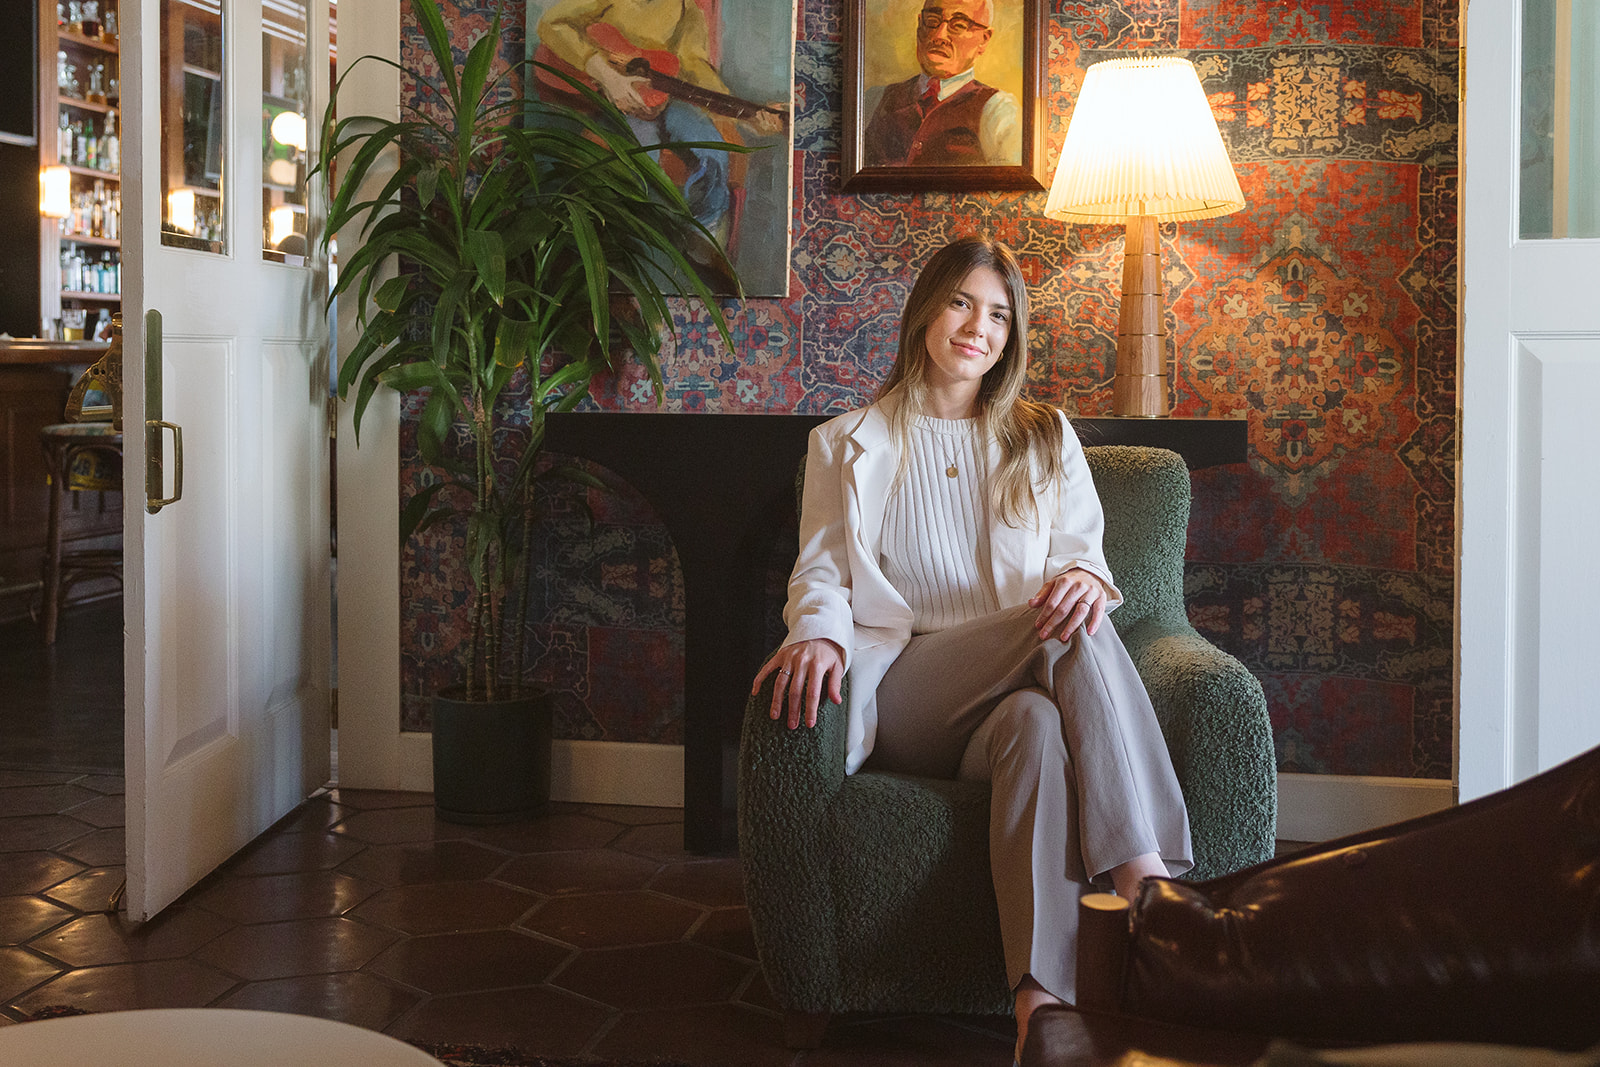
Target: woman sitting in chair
[950, 562]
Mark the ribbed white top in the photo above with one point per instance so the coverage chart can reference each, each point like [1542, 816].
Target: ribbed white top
[935, 547]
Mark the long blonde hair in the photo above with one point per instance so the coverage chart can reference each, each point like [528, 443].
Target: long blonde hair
[1029, 433]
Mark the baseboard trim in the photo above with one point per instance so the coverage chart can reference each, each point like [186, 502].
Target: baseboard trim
[1311, 807]
[581, 772]
[1318, 807]
[617, 772]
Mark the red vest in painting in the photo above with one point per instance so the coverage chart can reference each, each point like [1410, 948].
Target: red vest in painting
[900, 135]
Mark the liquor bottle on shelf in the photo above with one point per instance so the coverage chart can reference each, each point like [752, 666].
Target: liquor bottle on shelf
[111, 145]
[64, 139]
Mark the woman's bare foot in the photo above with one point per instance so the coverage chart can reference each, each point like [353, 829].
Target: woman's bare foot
[1030, 995]
[1127, 876]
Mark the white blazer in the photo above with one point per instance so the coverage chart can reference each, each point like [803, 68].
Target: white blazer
[838, 590]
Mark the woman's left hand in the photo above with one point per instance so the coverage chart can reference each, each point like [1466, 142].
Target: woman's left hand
[1067, 601]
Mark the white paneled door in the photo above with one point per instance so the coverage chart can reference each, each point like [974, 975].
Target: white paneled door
[1530, 490]
[227, 598]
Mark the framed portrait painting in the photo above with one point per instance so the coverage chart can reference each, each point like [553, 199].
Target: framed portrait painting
[943, 95]
[693, 73]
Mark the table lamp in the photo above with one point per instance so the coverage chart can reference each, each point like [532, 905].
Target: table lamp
[1142, 148]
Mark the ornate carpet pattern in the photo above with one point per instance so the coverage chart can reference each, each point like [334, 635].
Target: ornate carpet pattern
[1323, 314]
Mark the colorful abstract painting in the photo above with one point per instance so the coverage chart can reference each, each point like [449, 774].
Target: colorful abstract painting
[1323, 314]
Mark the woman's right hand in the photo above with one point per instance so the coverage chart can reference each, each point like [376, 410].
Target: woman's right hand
[800, 670]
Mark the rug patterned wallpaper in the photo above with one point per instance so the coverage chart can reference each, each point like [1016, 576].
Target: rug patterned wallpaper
[1323, 314]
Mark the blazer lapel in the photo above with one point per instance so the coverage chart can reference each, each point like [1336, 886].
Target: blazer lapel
[1010, 550]
[867, 478]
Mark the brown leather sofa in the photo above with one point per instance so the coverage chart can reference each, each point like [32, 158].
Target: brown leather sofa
[1478, 923]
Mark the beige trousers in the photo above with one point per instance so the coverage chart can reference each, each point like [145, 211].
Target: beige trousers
[1065, 735]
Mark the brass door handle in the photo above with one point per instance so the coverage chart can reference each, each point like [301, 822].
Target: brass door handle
[154, 457]
[153, 502]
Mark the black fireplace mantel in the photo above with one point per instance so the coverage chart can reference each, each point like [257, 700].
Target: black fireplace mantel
[721, 484]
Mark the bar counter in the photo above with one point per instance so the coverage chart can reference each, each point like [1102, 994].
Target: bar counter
[31, 351]
[35, 378]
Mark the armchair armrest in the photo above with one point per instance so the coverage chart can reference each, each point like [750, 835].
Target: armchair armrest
[1214, 716]
[787, 782]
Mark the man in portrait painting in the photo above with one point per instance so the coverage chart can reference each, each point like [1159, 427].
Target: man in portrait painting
[675, 97]
[944, 116]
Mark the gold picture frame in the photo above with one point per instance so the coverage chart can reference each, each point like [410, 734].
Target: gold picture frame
[883, 50]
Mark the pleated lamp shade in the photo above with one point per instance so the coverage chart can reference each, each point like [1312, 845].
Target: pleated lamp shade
[1143, 142]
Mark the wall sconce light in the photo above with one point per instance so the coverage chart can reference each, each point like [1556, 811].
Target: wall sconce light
[180, 210]
[280, 224]
[283, 172]
[1143, 147]
[289, 129]
[55, 192]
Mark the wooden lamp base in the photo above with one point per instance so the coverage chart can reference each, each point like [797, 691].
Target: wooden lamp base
[1139, 387]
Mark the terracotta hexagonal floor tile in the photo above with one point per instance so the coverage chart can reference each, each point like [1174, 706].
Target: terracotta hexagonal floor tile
[34, 872]
[553, 1022]
[22, 918]
[299, 947]
[132, 986]
[352, 997]
[447, 906]
[461, 963]
[632, 814]
[102, 811]
[658, 841]
[98, 848]
[286, 853]
[90, 890]
[314, 816]
[372, 799]
[589, 870]
[424, 862]
[276, 897]
[21, 970]
[395, 826]
[96, 940]
[728, 929]
[26, 832]
[601, 920]
[558, 832]
[44, 799]
[9, 779]
[676, 974]
[718, 883]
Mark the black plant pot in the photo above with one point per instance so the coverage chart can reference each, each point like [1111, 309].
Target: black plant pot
[491, 759]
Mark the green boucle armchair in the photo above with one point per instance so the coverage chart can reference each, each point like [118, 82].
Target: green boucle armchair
[871, 892]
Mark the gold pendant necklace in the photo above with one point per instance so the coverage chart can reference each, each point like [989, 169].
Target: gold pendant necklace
[950, 471]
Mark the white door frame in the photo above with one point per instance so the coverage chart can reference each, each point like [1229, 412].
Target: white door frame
[1530, 328]
[373, 753]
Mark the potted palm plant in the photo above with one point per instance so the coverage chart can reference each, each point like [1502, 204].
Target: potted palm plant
[519, 248]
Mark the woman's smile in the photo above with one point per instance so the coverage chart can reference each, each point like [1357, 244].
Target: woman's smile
[967, 338]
